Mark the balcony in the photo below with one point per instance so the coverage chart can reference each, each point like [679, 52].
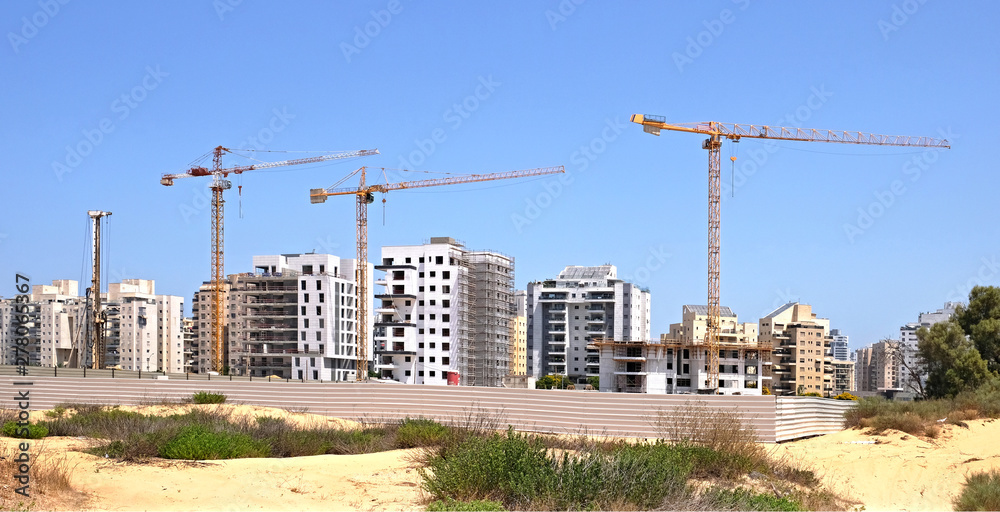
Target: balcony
[552, 296]
[557, 307]
[394, 323]
[390, 296]
[595, 307]
[395, 267]
[595, 319]
[600, 296]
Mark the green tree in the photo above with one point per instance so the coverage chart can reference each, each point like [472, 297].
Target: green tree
[981, 321]
[552, 382]
[953, 363]
[594, 381]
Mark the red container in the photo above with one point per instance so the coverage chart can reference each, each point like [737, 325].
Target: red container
[452, 378]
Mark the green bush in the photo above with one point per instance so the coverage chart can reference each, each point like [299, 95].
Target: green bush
[981, 492]
[518, 471]
[417, 432]
[29, 431]
[845, 396]
[205, 397]
[196, 442]
[745, 499]
[465, 506]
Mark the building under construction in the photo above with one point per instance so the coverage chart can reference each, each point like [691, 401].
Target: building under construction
[678, 362]
[445, 313]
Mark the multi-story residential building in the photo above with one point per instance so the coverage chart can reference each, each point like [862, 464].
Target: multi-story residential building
[583, 305]
[800, 344]
[295, 316]
[203, 314]
[916, 380]
[445, 314]
[519, 335]
[190, 346]
[843, 377]
[877, 367]
[839, 347]
[678, 363]
[143, 329]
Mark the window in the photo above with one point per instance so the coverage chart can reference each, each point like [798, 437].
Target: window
[445, 317]
[407, 302]
[420, 288]
[433, 316]
[420, 316]
[432, 330]
[406, 359]
[305, 323]
[420, 359]
[305, 297]
[432, 288]
[445, 332]
[433, 344]
[446, 346]
[319, 285]
[420, 303]
[408, 260]
[420, 331]
[432, 273]
[303, 311]
[685, 368]
[432, 302]
[445, 360]
[322, 268]
[421, 260]
[321, 297]
[446, 289]
[446, 274]
[303, 335]
[319, 337]
[439, 260]
[420, 275]
[446, 303]
[303, 285]
[407, 373]
[432, 373]
[420, 373]
[319, 310]
[421, 345]
[432, 359]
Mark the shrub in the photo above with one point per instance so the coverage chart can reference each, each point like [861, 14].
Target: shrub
[721, 441]
[196, 442]
[464, 506]
[205, 397]
[29, 431]
[517, 470]
[417, 432]
[745, 499]
[981, 492]
[845, 396]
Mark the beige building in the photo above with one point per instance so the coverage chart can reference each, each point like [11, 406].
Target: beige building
[843, 377]
[876, 368]
[800, 344]
[519, 335]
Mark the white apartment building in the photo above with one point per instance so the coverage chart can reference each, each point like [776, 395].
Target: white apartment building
[144, 330]
[444, 315]
[908, 345]
[566, 315]
[839, 346]
[296, 317]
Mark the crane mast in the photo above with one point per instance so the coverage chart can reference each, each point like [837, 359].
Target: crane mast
[717, 131]
[98, 340]
[364, 197]
[219, 185]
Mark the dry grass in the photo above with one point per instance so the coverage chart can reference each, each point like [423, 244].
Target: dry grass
[50, 478]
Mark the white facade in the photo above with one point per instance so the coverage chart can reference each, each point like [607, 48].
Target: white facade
[567, 314]
[908, 340]
[296, 317]
[444, 315]
[839, 347]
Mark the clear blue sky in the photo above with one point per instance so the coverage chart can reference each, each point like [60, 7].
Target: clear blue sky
[552, 78]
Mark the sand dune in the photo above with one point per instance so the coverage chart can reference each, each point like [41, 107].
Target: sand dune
[896, 472]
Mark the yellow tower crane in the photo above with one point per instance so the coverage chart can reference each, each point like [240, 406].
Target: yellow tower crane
[365, 196]
[716, 132]
[219, 184]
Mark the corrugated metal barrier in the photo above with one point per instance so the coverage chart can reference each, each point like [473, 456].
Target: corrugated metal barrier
[534, 410]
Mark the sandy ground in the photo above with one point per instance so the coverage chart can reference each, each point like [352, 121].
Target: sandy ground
[900, 471]
[894, 471]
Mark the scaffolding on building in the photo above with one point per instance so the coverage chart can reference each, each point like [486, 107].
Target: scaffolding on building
[464, 308]
[489, 287]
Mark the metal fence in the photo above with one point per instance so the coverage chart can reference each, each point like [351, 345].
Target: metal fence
[534, 410]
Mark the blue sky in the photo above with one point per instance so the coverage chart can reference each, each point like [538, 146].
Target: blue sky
[101, 98]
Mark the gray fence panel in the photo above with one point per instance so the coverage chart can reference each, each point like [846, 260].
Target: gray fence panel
[804, 416]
